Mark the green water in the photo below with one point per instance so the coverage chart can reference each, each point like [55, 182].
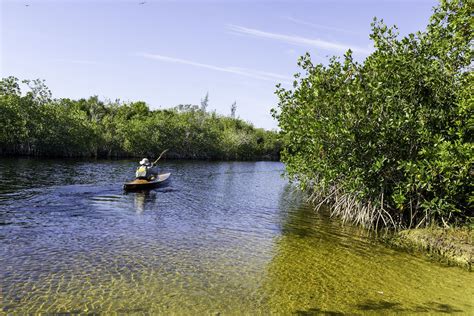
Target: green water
[220, 238]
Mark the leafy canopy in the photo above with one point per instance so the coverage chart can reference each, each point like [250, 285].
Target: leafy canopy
[393, 134]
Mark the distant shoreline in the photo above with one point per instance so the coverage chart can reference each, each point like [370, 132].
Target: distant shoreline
[36, 124]
[168, 157]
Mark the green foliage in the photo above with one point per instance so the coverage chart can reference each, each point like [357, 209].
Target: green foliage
[36, 124]
[393, 132]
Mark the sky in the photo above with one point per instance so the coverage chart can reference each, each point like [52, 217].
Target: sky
[174, 52]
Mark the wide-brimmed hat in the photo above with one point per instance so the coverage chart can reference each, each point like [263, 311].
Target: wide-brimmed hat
[145, 162]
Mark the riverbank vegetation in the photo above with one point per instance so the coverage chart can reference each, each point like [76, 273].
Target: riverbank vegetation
[388, 142]
[35, 124]
[453, 246]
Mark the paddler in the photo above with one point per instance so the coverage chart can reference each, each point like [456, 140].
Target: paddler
[145, 170]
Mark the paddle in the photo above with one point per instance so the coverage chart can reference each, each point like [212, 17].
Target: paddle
[164, 151]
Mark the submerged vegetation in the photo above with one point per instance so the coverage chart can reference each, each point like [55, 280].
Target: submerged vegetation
[451, 246]
[35, 124]
[388, 141]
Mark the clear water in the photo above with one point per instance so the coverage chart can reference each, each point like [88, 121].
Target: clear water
[220, 238]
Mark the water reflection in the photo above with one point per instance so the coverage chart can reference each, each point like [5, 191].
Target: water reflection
[140, 201]
[142, 197]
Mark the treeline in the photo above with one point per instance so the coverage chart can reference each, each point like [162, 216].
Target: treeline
[389, 141]
[35, 124]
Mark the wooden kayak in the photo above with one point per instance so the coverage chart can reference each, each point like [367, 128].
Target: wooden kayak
[141, 184]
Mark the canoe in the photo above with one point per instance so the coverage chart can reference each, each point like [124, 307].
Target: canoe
[140, 184]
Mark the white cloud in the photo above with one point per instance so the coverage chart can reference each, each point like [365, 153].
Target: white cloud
[256, 74]
[298, 40]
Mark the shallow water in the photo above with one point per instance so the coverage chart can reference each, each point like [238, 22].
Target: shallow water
[221, 237]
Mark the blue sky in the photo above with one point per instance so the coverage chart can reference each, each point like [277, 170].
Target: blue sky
[172, 52]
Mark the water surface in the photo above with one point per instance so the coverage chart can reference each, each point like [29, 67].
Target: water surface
[221, 237]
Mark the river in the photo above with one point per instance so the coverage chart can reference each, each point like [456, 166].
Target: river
[219, 238]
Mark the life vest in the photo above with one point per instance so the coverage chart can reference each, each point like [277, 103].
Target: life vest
[142, 172]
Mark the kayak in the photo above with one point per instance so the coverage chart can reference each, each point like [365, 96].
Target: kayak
[141, 184]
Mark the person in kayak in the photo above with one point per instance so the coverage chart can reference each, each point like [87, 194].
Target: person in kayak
[145, 171]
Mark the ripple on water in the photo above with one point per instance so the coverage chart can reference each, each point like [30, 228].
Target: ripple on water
[219, 238]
